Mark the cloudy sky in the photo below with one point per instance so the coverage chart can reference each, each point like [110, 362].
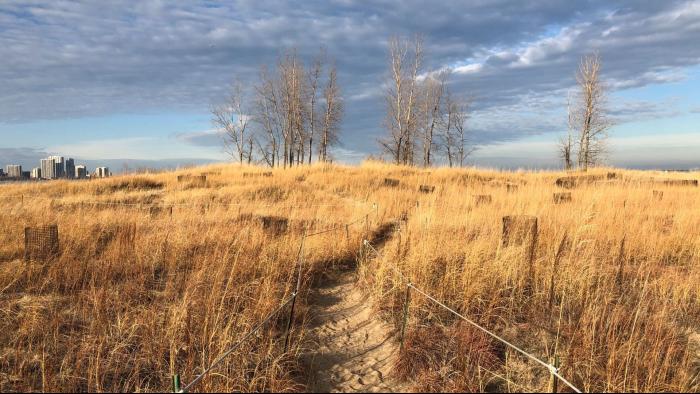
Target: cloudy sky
[117, 80]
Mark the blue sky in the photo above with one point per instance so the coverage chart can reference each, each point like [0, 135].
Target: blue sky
[123, 80]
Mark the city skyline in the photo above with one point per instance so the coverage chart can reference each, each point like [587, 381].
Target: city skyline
[52, 168]
[149, 103]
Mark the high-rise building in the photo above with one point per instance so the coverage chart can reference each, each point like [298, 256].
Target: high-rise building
[48, 168]
[60, 163]
[70, 168]
[101, 172]
[14, 171]
[80, 172]
[36, 173]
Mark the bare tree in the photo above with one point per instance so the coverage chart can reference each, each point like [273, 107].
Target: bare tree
[333, 114]
[566, 143]
[432, 90]
[401, 99]
[232, 121]
[455, 137]
[286, 114]
[293, 105]
[313, 81]
[270, 116]
[588, 114]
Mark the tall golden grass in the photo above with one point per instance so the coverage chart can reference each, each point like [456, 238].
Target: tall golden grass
[110, 314]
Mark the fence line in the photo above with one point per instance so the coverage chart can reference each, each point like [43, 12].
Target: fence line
[237, 345]
[195, 205]
[176, 380]
[552, 369]
[291, 299]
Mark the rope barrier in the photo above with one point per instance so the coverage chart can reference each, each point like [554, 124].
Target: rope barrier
[337, 227]
[551, 368]
[237, 345]
[196, 205]
[292, 299]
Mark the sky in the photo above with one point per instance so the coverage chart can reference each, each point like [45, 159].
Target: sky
[124, 81]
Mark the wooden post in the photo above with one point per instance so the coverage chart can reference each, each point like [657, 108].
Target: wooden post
[553, 380]
[621, 266]
[532, 256]
[405, 313]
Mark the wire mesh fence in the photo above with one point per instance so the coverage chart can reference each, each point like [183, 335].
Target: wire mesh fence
[41, 243]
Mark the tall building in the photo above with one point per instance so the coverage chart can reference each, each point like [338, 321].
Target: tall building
[36, 173]
[2, 173]
[48, 168]
[101, 172]
[80, 172]
[60, 163]
[14, 171]
[70, 168]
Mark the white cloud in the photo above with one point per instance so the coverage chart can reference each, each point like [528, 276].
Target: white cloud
[151, 148]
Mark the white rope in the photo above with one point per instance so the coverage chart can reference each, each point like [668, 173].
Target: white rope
[338, 227]
[238, 344]
[552, 369]
[195, 205]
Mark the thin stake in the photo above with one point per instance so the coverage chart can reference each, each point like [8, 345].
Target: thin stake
[294, 301]
[552, 377]
[405, 313]
[176, 383]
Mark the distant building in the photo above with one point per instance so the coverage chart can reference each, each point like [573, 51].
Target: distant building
[14, 171]
[26, 174]
[81, 172]
[48, 168]
[36, 173]
[60, 163]
[70, 168]
[2, 173]
[101, 172]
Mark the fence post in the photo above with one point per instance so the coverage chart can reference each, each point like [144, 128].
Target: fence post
[296, 293]
[552, 378]
[405, 313]
[289, 324]
[176, 384]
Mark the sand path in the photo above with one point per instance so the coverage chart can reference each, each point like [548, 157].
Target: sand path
[355, 349]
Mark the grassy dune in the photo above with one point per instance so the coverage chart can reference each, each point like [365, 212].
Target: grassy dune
[138, 293]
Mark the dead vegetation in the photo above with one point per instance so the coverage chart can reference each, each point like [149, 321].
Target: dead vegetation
[611, 286]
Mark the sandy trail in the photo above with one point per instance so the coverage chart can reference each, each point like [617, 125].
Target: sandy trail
[354, 348]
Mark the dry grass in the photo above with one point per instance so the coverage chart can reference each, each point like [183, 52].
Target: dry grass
[122, 313]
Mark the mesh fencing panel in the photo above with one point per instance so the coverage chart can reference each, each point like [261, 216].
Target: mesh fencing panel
[41, 243]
